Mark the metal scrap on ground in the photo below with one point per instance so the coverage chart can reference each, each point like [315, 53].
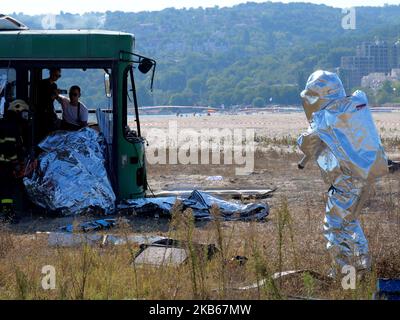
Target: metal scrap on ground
[284, 274]
[171, 252]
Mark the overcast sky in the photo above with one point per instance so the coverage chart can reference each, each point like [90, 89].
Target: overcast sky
[81, 6]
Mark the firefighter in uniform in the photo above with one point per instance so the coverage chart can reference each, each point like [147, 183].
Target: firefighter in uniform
[11, 158]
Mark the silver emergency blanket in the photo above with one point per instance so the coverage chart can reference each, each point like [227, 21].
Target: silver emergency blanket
[343, 140]
[201, 204]
[71, 176]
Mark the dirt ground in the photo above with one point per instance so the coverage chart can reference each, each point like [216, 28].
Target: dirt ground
[302, 191]
[276, 155]
[266, 123]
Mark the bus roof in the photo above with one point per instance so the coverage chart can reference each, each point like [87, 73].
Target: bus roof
[64, 44]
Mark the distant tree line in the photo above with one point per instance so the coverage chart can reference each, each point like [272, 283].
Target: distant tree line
[250, 54]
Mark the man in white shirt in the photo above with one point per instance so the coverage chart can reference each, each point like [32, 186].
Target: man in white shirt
[75, 114]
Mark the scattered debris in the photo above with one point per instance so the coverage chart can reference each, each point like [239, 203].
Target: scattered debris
[91, 225]
[161, 255]
[214, 178]
[312, 273]
[132, 239]
[283, 274]
[170, 252]
[393, 166]
[201, 203]
[61, 239]
[240, 260]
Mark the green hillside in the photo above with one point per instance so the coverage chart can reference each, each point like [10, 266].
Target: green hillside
[243, 55]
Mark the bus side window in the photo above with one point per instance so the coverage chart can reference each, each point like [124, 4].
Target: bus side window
[7, 88]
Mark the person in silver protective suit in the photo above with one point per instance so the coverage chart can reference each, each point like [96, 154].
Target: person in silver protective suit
[343, 140]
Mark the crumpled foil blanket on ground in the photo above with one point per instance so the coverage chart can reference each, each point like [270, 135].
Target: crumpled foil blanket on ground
[71, 176]
[200, 203]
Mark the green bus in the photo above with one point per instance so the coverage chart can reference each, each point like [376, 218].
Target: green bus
[25, 56]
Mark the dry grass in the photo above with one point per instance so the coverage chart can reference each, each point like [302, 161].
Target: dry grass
[281, 141]
[282, 243]
[391, 143]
